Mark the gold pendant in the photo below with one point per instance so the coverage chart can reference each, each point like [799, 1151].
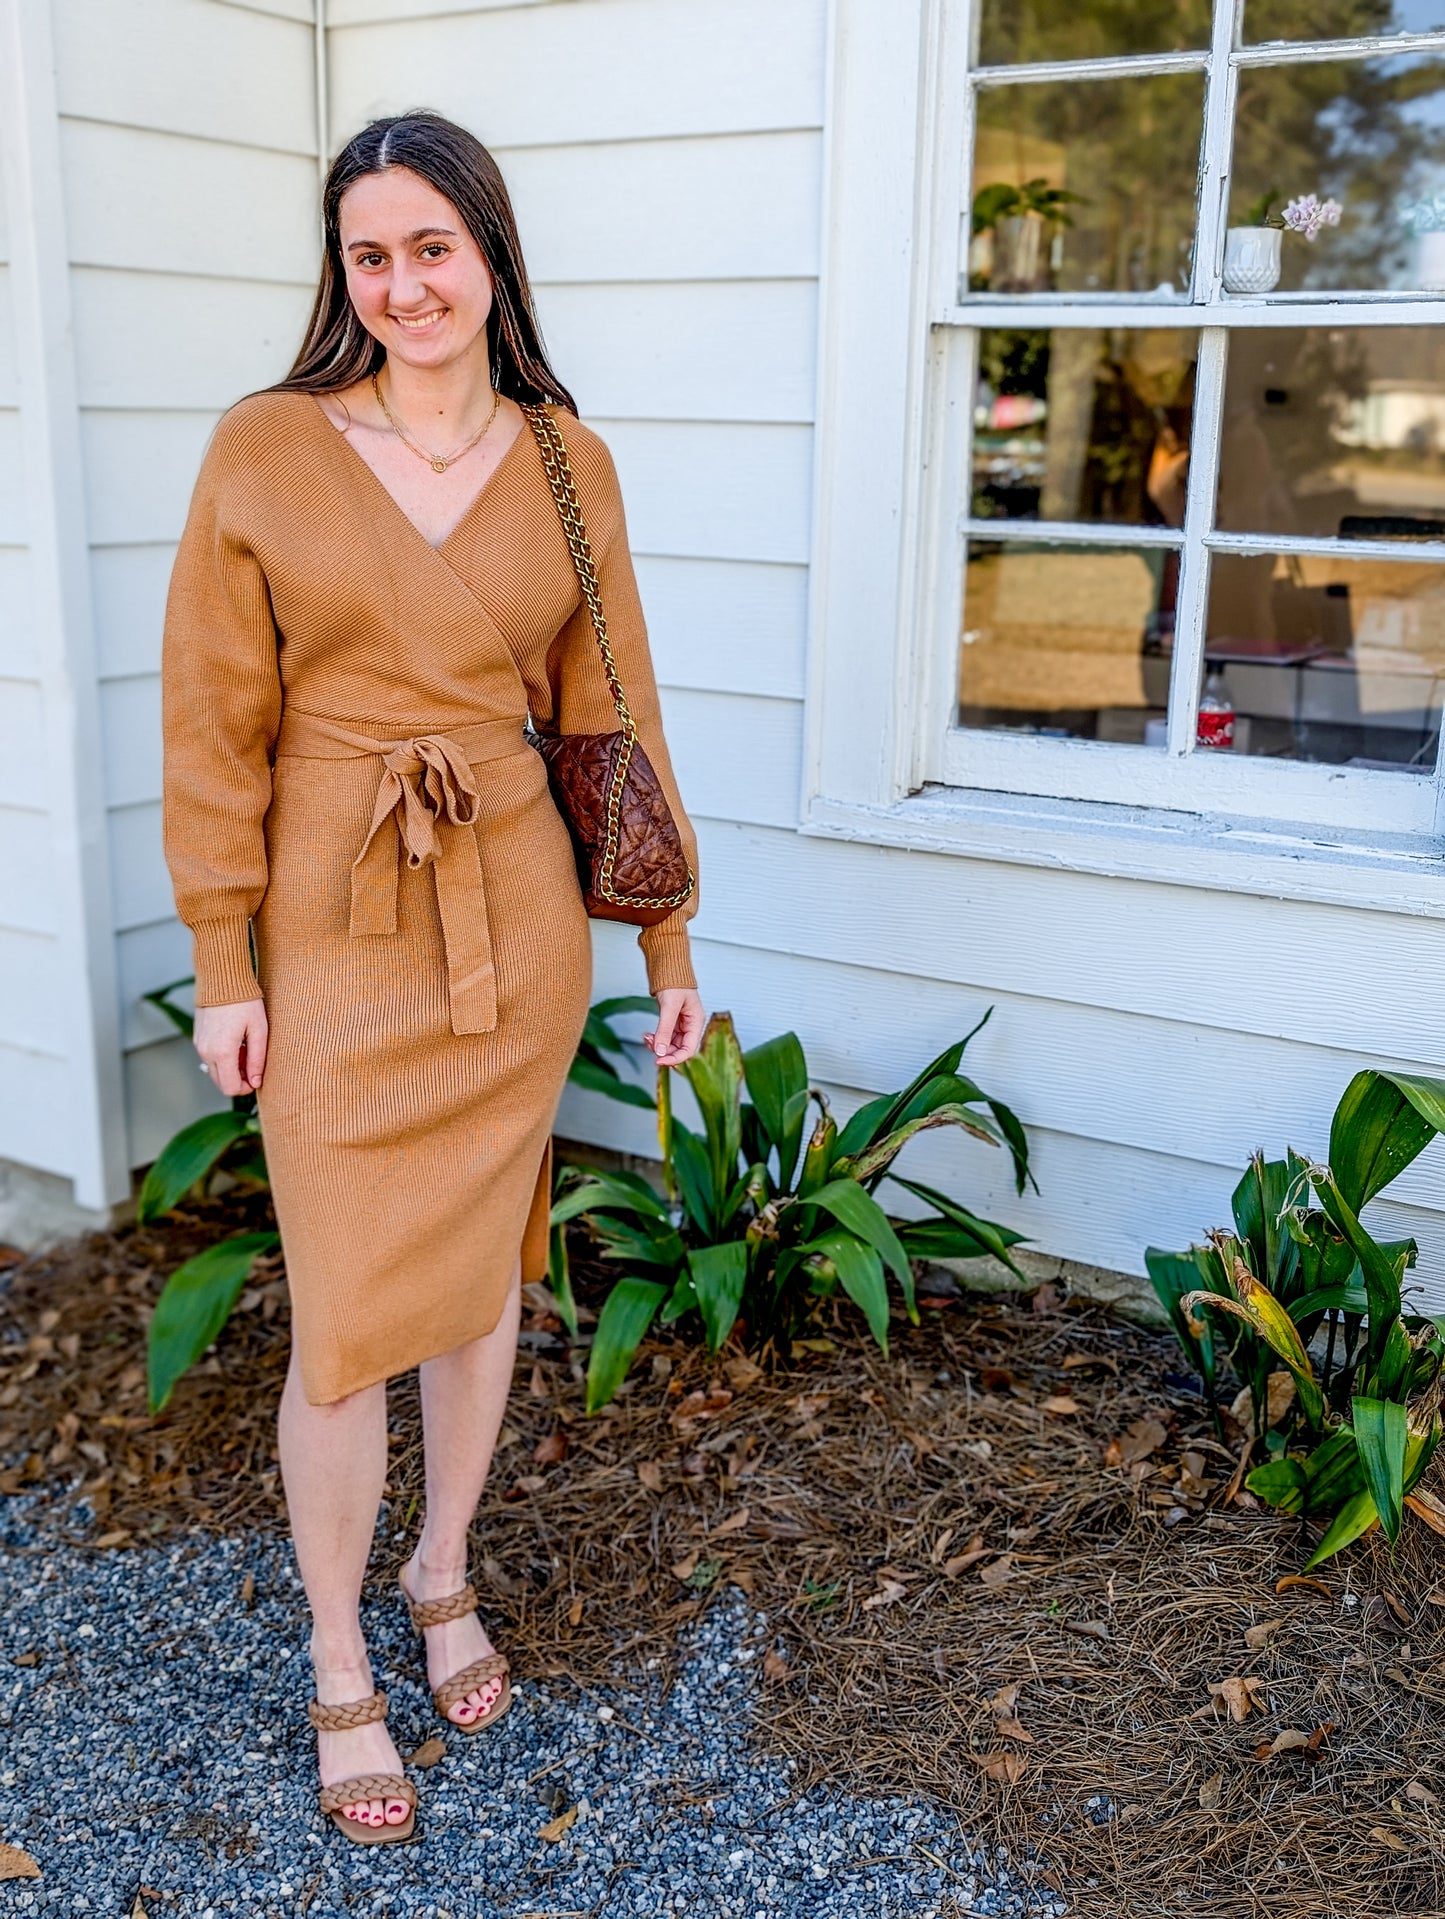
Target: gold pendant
[438, 466]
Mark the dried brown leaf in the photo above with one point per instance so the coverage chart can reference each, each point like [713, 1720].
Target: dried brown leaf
[1061, 1404]
[736, 1523]
[1004, 1768]
[1143, 1437]
[30, 1658]
[1392, 1841]
[1210, 1792]
[775, 1668]
[649, 1471]
[1421, 1794]
[16, 1863]
[1256, 1636]
[890, 1590]
[999, 1573]
[1292, 1580]
[1426, 1506]
[742, 1372]
[552, 1450]
[960, 1562]
[1088, 1629]
[248, 1589]
[1239, 1696]
[685, 1568]
[558, 1828]
[429, 1753]
[576, 1610]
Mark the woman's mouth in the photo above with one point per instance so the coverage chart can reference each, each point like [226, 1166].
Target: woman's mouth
[421, 322]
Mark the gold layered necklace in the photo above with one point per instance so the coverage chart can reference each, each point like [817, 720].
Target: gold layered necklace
[438, 462]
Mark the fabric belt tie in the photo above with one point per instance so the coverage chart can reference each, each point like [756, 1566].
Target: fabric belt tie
[428, 802]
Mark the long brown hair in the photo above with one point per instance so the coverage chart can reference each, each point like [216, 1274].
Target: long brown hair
[338, 351]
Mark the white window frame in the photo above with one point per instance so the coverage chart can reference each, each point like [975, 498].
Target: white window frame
[894, 420]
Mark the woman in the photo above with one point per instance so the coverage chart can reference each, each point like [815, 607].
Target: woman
[372, 592]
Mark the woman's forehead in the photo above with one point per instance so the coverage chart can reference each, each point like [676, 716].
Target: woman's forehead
[396, 202]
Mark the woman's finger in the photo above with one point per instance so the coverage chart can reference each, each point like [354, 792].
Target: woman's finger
[253, 1055]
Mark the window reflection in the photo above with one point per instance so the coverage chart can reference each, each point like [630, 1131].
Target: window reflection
[1125, 153]
[1328, 660]
[1083, 423]
[1334, 431]
[1066, 641]
[1338, 19]
[1017, 30]
[1368, 133]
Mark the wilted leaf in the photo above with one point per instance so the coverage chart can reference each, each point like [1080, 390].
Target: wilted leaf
[1210, 1792]
[537, 1384]
[701, 1405]
[555, 1829]
[1061, 1404]
[1426, 1506]
[742, 1372]
[1088, 1629]
[1392, 1841]
[980, 1448]
[138, 1910]
[974, 1550]
[552, 1450]
[575, 1611]
[116, 1538]
[775, 1668]
[649, 1471]
[1238, 1696]
[1006, 1722]
[31, 1658]
[15, 1863]
[816, 1345]
[889, 1590]
[1047, 1298]
[1256, 1636]
[1004, 1768]
[1142, 1438]
[248, 1589]
[685, 1568]
[1000, 1572]
[736, 1523]
[1421, 1793]
[1070, 1360]
[1290, 1740]
[428, 1753]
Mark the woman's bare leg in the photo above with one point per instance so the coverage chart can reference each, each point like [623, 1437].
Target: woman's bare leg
[333, 1468]
[463, 1398]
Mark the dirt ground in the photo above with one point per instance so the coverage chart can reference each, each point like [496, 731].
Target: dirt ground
[1000, 1561]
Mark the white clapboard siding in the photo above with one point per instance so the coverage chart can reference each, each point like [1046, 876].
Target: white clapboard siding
[725, 626]
[609, 70]
[35, 1110]
[713, 491]
[148, 957]
[130, 733]
[173, 65]
[22, 743]
[164, 203]
[140, 470]
[709, 350]
[9, 373]
[128, 587]
[740, 758]
[17, 631]
[721, 209]
[301, 10]
[1326, 975]
[170, 341]
[30, 1012]
[27, 873]
[1127, 1078]
[141, 885]
[13, 526]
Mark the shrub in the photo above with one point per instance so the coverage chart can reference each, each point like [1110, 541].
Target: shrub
[1358, 1434]
[756, 1223]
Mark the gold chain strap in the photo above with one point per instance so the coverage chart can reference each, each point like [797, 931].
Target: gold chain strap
[558, 469]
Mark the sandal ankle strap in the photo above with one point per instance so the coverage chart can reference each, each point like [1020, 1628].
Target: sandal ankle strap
[355, 1712]
[436, 1612]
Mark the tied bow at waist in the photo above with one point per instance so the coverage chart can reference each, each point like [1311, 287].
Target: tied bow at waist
[428, 801]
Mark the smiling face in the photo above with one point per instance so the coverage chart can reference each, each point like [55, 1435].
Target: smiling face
[415, 275]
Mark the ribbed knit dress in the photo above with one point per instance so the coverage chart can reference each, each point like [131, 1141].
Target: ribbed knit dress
[346, 777]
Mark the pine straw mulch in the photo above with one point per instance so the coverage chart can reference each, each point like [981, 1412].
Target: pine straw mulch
[1080, 1647]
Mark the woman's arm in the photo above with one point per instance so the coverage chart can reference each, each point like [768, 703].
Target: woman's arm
[220, 712]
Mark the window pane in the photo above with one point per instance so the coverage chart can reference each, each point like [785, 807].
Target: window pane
[1126, 152]
[1367, 133]
[1334, 431]
[1335, 661]
[1083, 423]
[1018, 30]
[1338, 19]
[1068, 641]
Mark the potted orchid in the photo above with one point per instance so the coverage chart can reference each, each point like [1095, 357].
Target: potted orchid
[1252, 251]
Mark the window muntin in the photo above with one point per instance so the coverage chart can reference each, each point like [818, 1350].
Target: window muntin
[1012, 31]
[1357, 775]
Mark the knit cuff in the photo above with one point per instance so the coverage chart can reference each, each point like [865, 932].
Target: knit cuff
[668, 955]
[224, 973]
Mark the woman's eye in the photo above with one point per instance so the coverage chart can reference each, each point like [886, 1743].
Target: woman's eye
[436, 249]
[371, 259]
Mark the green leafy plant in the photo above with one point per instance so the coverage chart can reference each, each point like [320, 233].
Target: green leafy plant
[1300, 1269]
[1001, 200]
[199, 1296]
[756, 1221]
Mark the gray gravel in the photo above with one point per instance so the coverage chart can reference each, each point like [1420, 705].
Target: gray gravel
[162, 1742]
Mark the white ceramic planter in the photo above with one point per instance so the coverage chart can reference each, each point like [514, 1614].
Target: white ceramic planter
[1252, 259]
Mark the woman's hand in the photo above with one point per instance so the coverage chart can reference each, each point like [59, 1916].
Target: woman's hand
[231, 1041]
[679, 1026]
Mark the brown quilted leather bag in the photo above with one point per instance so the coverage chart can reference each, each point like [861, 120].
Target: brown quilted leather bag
[630, 857]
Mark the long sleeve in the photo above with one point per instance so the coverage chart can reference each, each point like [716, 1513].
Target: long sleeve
[583, 705]
[221, 710]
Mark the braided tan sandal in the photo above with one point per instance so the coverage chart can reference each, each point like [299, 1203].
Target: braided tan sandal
[367, 1785]
[435, 1612]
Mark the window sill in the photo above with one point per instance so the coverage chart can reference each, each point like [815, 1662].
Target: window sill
[1382, 873]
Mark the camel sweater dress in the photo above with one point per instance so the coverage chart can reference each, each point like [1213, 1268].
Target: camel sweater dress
[346, 779]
